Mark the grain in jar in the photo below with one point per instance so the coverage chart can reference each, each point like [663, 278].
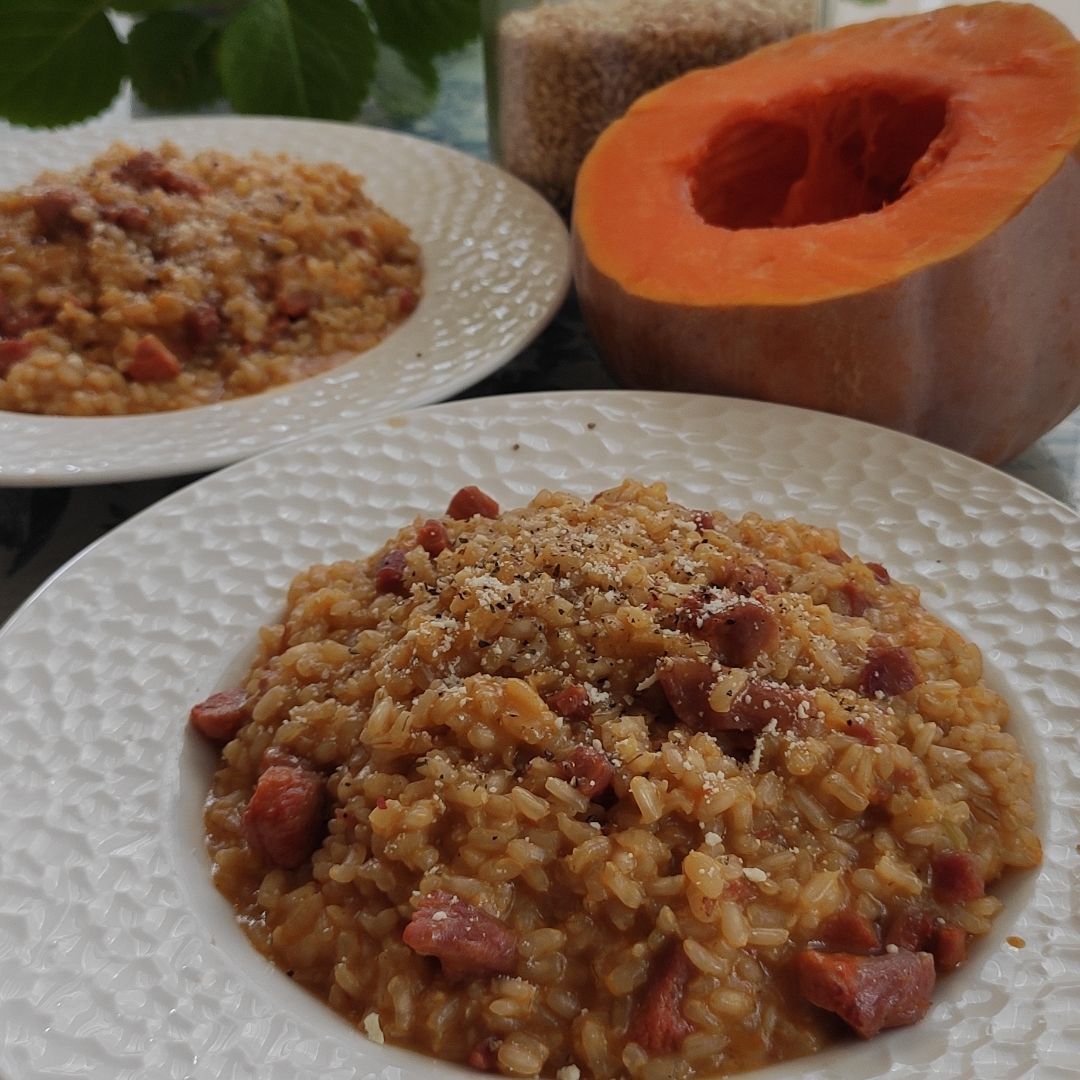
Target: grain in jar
[559, 71]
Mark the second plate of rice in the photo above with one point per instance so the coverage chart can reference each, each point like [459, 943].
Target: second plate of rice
[302, 296]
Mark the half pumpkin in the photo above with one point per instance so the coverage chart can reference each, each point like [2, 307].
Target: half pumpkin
[881, 221]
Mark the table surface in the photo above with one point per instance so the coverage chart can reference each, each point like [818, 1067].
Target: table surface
[40, 529]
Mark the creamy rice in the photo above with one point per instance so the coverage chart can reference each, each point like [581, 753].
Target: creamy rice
[148, 281]
[493, 727]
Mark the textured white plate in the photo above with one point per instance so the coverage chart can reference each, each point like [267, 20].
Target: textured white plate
[496, 265]
[119, 961]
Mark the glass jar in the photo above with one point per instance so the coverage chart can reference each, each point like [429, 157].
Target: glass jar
[559, 71]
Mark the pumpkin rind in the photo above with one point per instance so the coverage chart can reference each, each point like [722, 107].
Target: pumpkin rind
[951, 313]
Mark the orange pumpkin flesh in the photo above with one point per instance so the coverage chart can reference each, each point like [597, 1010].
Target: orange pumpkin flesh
[881, 221]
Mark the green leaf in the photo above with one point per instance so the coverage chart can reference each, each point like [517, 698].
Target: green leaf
[171, 56]
[205, 9]
[406, 87]
[298, 58]
[426, 27]
[62, 61]
[144, 7]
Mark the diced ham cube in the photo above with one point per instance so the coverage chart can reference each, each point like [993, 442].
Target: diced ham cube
[911, 928]
[879, 572]
[152, 361]
[846, 931]
[284, 821]
[466, 940]
[658, 1025]
[854, 599]
[687, 682]
[390, 573]
[589, 770]
[916, 929]
[146, 170]
[221, 715]
[54, 210]
[469, 502]
[950, 947]
[11, 352]
[889, 670]
[763, 701]
[571, 702]
[746, 578]
[869, 993]
[203, 325]
[955, 876]
[737, 630]
[433, 537]
[741, 633]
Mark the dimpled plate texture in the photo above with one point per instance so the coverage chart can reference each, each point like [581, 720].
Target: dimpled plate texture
[496, 268]
[118, 959]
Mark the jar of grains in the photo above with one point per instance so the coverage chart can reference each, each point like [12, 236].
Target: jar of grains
[559, 71]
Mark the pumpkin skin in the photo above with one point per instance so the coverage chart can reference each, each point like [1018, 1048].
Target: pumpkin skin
[881, 221]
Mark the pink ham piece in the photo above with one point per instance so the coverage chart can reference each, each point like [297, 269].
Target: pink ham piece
[202, 325]
[744, 578]
[466, 940]
[469, 502]
[283, 821]
[146, 170]
[916, 929]
[589, 770]
[741, 633]
[658, 1025]
[879, 572]
[11, 352]
[737, 630]
[221, 715]
[152, 361]
[889, 670]
[950, 947]
[390, 573]
[433, 537]
[848, 931]
[687, 683]
[869, 993]
[54, 212]
[955, 877]
[571, 702]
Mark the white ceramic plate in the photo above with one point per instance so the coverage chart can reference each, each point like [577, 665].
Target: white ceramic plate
[119, 961]
[496, 264]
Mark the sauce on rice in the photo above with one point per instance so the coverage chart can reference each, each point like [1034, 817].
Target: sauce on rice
[615, 788]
